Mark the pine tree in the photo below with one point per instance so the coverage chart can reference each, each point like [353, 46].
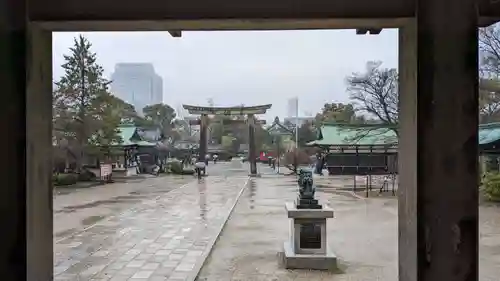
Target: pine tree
[82, 94]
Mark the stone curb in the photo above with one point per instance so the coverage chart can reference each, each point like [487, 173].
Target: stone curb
[353, 194]
[199, 265]
[80, 185]
[337, 190]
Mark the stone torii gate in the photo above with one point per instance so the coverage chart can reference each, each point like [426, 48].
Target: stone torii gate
[249, 111]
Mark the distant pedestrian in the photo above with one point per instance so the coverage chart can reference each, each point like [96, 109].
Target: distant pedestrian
[323, 163]
[207, 158]
[319, 164]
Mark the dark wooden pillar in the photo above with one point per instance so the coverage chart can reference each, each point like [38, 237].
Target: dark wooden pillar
[252, 153]
[39, 155]
[439, 208]
[407, 155]
[26, 111]
[203, 137]
[13, 60]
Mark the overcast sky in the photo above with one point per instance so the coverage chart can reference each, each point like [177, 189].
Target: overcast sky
[246, 67]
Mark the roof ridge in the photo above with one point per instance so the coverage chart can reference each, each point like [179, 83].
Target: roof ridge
[489, 125]
[343, 124]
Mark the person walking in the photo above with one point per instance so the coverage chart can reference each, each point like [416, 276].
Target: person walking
[207, 158]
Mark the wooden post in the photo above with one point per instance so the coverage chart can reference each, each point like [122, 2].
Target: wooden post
[438, 194]
[203, 137]
[38, 189]
[252, 155]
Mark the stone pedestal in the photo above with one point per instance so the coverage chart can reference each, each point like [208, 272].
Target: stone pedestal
[308, 203]
[307, 247]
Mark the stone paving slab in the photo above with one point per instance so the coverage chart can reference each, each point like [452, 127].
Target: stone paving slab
[78, 209]
[363, 235]
[247, 249]
[167, 238]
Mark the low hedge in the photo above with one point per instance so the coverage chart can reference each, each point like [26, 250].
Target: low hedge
[187, 171]
[491, 186]
[86, 175]
[175, 167]
[64, 179]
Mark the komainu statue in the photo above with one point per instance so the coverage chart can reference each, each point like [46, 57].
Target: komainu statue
[306, 191]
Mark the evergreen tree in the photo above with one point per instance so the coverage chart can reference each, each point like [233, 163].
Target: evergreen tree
[161, 116]
[90, 115]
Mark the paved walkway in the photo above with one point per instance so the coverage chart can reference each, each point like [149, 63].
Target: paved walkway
[167, 238]
[78, 208]
[363, 234]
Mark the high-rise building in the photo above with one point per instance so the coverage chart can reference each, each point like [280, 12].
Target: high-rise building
[137, 84]
[299, 121]
[293, 115]
[293, 107]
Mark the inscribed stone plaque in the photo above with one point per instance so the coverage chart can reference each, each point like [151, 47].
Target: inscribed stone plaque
[310, 236]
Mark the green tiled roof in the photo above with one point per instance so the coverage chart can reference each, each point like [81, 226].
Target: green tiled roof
[489, 133]
[342, 134]
[126, 134]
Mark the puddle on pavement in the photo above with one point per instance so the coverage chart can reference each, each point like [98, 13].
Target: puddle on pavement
[128, 198]
[91, 220]
[284, 184]
[252, 191]
[66, 232]
[114, 200]
[63, 192]
[160, 192]
[277, 211]
[250, 227]
[345, 194]
[202, 200]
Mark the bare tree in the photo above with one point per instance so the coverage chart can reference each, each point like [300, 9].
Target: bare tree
[489, 47]
[375, 92]
[489, 83]
[489, 100]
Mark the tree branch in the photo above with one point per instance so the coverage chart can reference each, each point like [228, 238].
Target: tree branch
[375, 92]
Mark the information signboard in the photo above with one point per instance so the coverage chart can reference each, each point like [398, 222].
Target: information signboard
[106, 170]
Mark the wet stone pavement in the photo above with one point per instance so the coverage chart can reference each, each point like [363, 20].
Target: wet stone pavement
[76, 209]
[166, 238]
[363, 235]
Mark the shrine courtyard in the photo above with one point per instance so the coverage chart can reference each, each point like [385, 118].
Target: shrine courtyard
[363, 235]
[228, 227]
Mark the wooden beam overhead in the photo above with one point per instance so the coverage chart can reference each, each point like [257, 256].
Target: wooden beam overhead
[157, 10]
[231, 110]
[231, 122]
[371, 31]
